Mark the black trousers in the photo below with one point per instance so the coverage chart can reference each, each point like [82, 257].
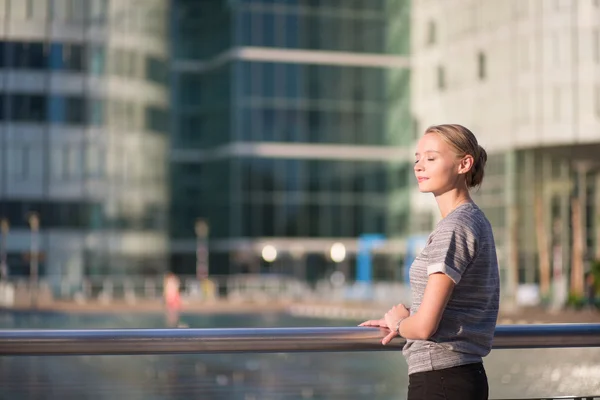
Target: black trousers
[466, 382]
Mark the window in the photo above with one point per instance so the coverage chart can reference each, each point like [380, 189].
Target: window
[156, 119]
[73, 57]
[95, 112]
[3, 49]
[156, 70]
[37, 9]
[56, 109]
[67, 57]
[28, 108]
[97, 60]
[596, 46]
[75, 110]
[94, 160]
[481, 66]
[597, 100]
[1, 107]
[98, 10]
[441, 78]
[557, 103]
[18, 9]
[431, 33]
[26, 55]
[18, 165]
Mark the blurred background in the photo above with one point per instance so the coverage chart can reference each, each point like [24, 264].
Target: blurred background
[139, 137]
[262, 150]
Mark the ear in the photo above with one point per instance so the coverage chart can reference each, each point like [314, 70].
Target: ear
[466, 164]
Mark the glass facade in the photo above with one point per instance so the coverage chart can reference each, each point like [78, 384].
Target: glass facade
[229, 107]
[84, 126]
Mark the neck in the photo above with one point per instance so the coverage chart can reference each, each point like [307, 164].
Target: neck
[451, 199]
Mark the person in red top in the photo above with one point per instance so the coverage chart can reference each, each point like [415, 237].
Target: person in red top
[172, 299]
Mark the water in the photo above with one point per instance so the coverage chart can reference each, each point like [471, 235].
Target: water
[360, 375]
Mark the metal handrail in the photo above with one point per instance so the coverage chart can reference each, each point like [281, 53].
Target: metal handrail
[265, 340]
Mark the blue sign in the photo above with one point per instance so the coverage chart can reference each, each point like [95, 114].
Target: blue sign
[366, 242]
[414, 246]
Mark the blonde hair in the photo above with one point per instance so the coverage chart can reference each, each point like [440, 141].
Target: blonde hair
[465, 143]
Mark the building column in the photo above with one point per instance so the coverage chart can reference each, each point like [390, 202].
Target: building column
[511, 250]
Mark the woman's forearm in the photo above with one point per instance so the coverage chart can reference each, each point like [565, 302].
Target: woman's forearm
[414, 328]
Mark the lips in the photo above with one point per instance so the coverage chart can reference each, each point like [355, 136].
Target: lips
[421, 179]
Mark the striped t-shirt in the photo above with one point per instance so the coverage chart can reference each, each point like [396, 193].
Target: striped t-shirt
[462, 247]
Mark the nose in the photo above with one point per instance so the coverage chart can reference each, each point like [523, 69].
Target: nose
[418, 166]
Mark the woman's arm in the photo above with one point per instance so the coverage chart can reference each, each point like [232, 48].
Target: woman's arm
[424, 323]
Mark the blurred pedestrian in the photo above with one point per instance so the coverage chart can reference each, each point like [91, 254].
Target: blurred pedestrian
[454, 280]
[172, 298]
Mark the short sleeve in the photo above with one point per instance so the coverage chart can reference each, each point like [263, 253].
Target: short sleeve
[451, 251]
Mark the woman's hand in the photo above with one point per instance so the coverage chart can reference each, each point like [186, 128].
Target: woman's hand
[376, 323]
[391, 318]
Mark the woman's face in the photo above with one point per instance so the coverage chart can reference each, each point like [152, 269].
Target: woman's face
[437, 166]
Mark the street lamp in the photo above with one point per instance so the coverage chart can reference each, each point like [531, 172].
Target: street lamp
[269, 253]
[4, 227]
[34, 224]
[201, 228]
[337, 253]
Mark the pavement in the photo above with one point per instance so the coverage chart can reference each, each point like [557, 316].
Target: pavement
[316, 309]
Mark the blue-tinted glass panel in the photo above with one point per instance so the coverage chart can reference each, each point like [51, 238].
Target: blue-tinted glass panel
[269, 33]
[56, 109]
[56, 56]
[291, 31]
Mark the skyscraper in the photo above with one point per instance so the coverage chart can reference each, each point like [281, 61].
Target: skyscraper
[291, 122]
[83, 135]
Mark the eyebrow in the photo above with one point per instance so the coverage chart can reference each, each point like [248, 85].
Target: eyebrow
[428, 151]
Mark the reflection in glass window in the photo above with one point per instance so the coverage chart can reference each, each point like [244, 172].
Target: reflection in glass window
[156, 69]
[28, 108]
[97, 60]
[156, 119]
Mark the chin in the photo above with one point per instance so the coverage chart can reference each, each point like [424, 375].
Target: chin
[423, 188]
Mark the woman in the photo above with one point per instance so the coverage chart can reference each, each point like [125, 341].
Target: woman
[454, 281]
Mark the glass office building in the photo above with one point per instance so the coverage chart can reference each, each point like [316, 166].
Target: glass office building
[290, 126]
[84, 135]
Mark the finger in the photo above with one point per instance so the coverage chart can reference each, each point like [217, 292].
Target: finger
[388, 338]
[369, 323]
